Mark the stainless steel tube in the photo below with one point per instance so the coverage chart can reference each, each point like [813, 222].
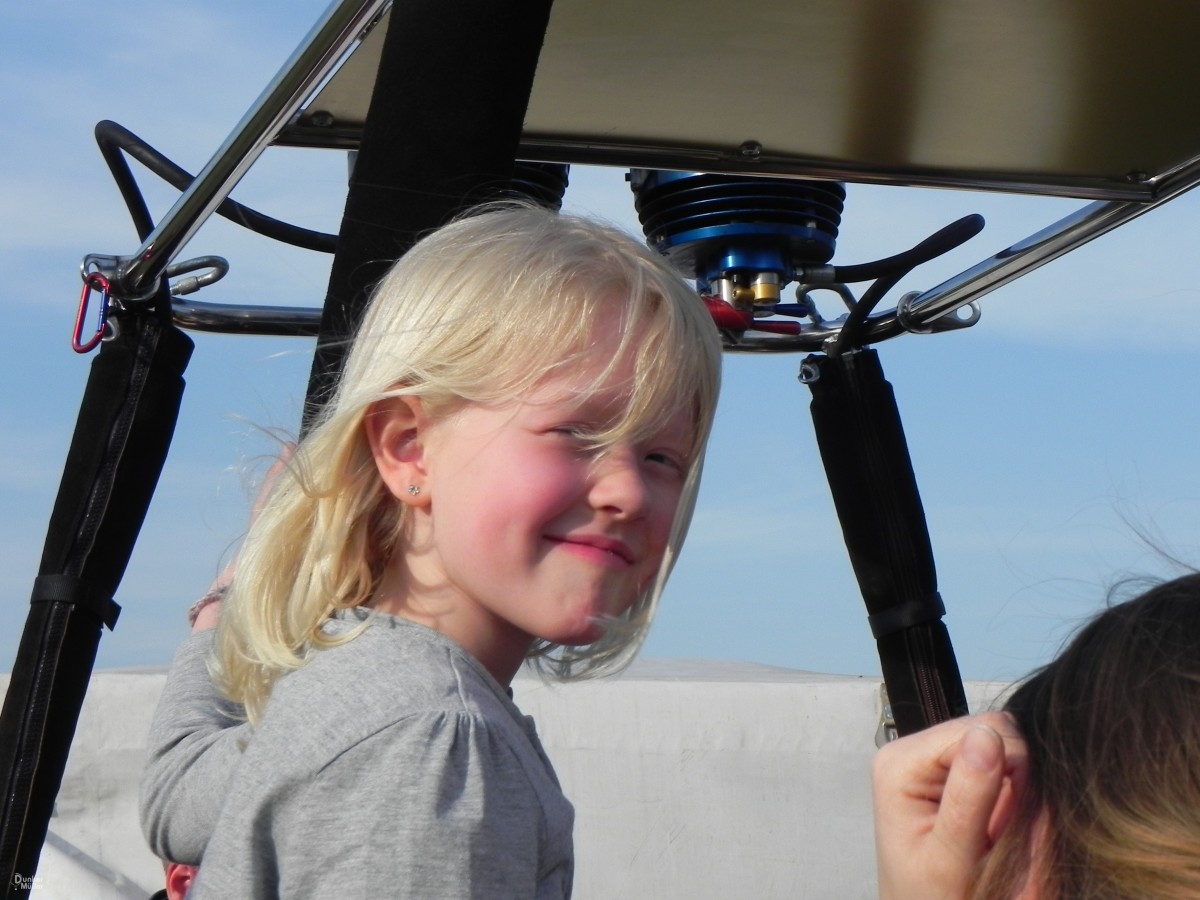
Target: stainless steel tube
[316, 56]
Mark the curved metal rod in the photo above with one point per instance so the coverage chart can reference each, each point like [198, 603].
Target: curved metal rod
[304, 321]
[316, 56]
[229, 318]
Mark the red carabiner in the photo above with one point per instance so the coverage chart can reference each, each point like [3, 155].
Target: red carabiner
[93, 282]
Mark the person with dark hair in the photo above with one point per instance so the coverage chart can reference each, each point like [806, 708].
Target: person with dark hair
[1087, 786]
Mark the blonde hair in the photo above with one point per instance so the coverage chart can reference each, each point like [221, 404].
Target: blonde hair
[479, 311]
[1112, 807]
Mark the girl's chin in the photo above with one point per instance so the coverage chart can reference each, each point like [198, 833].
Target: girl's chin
[582, 638]
[587, 622]
[587, 632]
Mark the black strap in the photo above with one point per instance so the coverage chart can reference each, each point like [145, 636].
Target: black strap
[69, 589]
[906, 615]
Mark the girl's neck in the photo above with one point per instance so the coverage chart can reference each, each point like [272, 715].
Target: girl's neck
[496, 644]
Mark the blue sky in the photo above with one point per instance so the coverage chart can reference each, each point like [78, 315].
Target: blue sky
[1049, 440]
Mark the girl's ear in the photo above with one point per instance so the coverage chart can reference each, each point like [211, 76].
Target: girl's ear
[396, 431]
[179, 880]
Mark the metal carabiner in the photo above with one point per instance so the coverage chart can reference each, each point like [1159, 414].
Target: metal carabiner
[94, 281]
[215, 268]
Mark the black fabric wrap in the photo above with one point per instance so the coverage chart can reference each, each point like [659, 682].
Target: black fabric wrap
[866, 459]
[125, 424]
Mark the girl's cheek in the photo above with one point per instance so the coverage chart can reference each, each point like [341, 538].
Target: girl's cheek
[668, 504]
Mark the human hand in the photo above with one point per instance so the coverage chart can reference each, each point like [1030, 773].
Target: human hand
[942, 797]
[206, 611]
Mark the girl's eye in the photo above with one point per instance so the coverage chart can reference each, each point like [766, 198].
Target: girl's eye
[669, 460]
[574, 436]
[571, 432]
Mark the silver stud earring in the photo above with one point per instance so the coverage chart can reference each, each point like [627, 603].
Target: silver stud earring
[413, 489]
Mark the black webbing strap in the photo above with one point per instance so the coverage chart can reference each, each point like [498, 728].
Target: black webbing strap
[870, 473]
[76, 591]
[441, 134]
[909, 613]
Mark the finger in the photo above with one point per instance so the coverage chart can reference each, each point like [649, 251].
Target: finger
[1016, 776]
[923, 756]
[972, 789]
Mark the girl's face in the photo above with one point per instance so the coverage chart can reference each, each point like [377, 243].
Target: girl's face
[526, 532]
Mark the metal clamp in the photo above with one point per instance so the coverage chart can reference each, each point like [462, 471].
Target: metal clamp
[948, 321]
[113, 268]
[887, 731]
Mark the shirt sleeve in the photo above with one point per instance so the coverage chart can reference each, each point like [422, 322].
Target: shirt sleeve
[195, 742]
[436, 805]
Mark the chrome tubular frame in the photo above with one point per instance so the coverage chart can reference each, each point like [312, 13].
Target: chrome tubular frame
[345, 21]
[136, 277]
[1050, 243]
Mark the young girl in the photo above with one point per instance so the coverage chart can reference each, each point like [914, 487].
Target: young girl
[506, 472]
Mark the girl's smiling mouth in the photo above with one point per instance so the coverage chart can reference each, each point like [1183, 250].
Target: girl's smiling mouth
[597, 548]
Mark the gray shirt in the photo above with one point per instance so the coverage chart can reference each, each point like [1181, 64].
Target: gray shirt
[390, 766]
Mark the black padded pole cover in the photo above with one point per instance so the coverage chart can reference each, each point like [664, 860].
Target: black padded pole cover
[870, 473]
[125, 424]
[441, 134]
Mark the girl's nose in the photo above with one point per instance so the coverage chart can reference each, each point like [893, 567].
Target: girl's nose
[619, 484]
